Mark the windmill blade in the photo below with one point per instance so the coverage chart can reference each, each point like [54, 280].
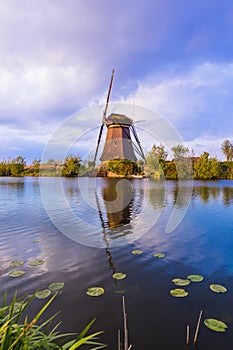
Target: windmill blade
[108, 97]
[98, 142]
[139, 121]
[135, 147]
[138, 142]
[104, 115]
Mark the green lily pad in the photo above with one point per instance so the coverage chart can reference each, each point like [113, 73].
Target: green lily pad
[181, 281]
[42, 294]
[119, 275]
[195, 278]
[179, 292]
[36, 262]
[16, 273]
[218, 288]
[37, 241]
[56, 286]
[137, 251]
[16, 263]
[95, 291]
[215, 325]
[159, 255]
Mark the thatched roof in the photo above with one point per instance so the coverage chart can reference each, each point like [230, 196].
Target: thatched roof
[118, 119]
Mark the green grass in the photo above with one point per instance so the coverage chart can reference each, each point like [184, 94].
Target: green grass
[17, 332]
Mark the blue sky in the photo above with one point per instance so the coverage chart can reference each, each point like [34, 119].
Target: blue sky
[170, 56]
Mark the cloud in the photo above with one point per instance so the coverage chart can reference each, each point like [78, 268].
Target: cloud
[196, 102]
[172, 57]
[42, 90]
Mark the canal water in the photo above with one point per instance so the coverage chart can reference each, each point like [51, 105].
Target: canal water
[85, 229]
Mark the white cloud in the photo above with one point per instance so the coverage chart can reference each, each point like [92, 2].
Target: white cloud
[199, 98]
[44, 88]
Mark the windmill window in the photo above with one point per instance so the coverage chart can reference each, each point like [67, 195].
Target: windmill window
[115, 144]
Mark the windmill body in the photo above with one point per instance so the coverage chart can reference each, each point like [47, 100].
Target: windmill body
[118, 143]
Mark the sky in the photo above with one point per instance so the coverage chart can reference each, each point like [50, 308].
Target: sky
[174, 57]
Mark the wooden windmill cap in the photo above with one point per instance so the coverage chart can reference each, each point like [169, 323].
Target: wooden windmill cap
[118, 119]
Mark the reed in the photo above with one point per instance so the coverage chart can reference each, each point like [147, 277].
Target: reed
[125, 335]
[18, 333]
[197, 328]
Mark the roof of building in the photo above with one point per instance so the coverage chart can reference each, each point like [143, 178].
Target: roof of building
[118, 119]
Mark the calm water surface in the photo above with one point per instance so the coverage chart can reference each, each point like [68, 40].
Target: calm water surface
[202, 244]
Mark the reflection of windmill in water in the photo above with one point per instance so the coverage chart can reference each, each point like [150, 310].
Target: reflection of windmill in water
[118, 144]
[118, 203]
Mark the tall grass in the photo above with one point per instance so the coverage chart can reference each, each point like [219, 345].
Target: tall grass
[17, 332]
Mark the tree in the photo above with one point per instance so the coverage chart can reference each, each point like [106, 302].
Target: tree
[227, 149]
[171, 171]
[71, 166]
[4, 168]
[207, 168]
[159, 152]
[183, 163]
[156, 159]
[17, 166]
[179, 151]
[36, 165]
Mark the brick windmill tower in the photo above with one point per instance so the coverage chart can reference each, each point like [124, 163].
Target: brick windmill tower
[118, 143]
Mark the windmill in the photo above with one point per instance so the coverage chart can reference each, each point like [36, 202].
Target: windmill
[118, 143]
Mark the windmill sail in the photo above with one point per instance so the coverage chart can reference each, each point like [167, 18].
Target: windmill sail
[104, 115]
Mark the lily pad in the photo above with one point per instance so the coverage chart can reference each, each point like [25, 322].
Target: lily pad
[36, 262]
[215, 325]
[42, 294]
[37, 241]
[136, 251]
[95, 291]
[195, 278]
[16, 263]
[56, 286]
[119, 275]
[159, 255]
[181, 281]
[16, 273]
[179, 292]
[218, 288]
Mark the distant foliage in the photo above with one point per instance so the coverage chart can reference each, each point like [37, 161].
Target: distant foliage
[171, 171]
[179, 167]
[156, 160]
[227, 150]
[123, 167]
[207, 168]
[71, 166]
[17, 166]
[179, 151]
[12, 167]
[182, 161]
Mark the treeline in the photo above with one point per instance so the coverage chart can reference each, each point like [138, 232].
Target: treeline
[185, 165]
[12, 167]
[71, 166]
